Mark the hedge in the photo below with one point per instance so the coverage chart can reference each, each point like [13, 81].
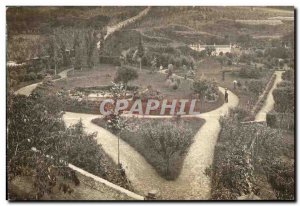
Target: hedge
[281, 120]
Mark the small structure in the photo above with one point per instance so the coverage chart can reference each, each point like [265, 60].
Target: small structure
[218, 48]
[152, 195]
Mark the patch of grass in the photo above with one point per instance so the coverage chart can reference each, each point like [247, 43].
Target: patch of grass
[104, 75]
[168, 168]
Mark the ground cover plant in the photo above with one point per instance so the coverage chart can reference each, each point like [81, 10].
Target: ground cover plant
[163, 142]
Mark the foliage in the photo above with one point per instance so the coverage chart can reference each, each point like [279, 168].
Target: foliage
[247, 72]
[168, 140]
[289, 75]
[209, 50]
[126, 74]
[271, 120]
[163, 143]
[281, 120]
[90, 41]
[38, 140]
[256, 86]
[284, 99]
[239, 113]
[30, 76]
[246, 151]
[205, 88]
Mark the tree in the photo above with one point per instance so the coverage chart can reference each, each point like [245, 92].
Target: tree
[222, 59]
[38, 144]
[140, 51]
[167, 139]
[54, 52]
[209, 50]
[101, 45]
[77, 51]
[90, 43]
[125, 75]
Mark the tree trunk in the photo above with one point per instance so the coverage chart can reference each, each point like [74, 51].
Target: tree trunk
[140, 64]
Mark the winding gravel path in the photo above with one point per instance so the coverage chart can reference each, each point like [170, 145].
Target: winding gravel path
[192, 183]
[28, 89]
[269, 103]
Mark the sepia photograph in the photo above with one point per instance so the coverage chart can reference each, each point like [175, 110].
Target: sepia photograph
[150, 103]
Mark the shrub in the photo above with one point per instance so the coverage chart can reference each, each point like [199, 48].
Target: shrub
[288, 75]
[256, 86]
[246, 72]
[110, 60]
[281, 120]
[239, 113]
[271, 120]
[31, 76]
[206, 88]
[285, 84]
[243, 153]
[44, 130]
[169, 141]
[41, 75]
[126, 74]
[284, 99]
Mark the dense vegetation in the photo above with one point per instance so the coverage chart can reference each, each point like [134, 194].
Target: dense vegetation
[163, 143]
[38, 140]
[253, 159]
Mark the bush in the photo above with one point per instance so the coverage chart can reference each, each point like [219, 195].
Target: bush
[271, 120]
[281, 120]
[256, 86]
[163, 143]
[285, 84]
[206, 88]
[288, 75]
[44, 130]
[243, 154]
[239, 113]
[125, 74]
[110, 60]
[170, 142]
[41, 75]
[284, 99]
[30, 77]
[251, 73]
[50, 71]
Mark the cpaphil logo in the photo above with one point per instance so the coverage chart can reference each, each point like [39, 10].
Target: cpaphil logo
[161, 107]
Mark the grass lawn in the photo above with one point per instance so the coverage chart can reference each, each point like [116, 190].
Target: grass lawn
[132, 135]
[104, 75]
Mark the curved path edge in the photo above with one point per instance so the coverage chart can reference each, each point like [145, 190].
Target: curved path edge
[269, 103]
[192, 183]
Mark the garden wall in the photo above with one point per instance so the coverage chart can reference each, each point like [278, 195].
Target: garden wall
[260, 102]
[103, 189]
[91, 187]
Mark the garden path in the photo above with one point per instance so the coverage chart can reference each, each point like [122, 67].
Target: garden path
[28, 89]
[269, 103]
[192, 183]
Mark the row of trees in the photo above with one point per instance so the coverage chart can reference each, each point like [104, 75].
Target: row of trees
[41, 146]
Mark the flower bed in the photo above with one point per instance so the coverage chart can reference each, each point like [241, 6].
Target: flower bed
[175, 133]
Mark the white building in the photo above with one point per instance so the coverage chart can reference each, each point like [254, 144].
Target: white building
[218, 48]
